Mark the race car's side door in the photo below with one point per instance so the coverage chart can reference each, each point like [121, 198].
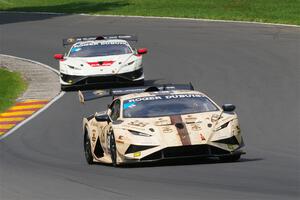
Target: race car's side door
[114, 114]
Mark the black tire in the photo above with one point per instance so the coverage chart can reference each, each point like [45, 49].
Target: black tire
[139, 83]
[87, 149]
[113, 149]
[232, 158]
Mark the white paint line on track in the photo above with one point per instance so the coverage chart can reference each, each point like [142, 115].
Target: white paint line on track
[155, 17]
[40, 110]
[32, 61]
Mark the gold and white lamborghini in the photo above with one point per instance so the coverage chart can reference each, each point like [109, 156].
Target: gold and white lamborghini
[165, 122]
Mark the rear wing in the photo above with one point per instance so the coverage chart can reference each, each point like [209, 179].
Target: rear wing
[73, 40]
[96, 94]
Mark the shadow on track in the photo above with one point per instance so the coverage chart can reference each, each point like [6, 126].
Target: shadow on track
[109, 86]
[75, 7]
[180, 162]
[8, 18]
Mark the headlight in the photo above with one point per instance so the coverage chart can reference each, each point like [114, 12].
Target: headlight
[222, 126]
[140, 134]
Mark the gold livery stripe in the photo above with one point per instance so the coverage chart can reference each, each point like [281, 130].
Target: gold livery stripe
[181, 129]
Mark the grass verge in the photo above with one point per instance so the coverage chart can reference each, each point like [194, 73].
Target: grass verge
[11, 86]
[274, 11]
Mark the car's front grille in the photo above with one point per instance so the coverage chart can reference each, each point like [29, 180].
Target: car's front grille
[186, 151]
[154, 156]
[117, 78]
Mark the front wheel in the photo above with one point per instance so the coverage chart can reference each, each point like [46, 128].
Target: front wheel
[113, 150]
[139, 82]
[87, 149]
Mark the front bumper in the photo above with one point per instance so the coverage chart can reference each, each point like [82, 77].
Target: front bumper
[70, 80]
[191, 151]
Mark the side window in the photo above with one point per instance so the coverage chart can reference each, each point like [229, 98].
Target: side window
[115, 110]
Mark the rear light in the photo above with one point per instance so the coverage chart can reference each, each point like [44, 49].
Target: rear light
[142, 51]
[59, 57]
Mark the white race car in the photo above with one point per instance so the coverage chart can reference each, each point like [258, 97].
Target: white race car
[106, 59]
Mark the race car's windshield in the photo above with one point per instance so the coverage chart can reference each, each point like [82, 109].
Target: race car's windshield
[99, 49]
[165, 105]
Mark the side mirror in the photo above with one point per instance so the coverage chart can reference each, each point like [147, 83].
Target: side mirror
[142, 51]
[58, 56]
[102, 118]
[228, 107]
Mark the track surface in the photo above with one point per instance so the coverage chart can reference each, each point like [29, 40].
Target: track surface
[253, 66]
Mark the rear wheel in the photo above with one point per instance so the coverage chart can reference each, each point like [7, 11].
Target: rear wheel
[87, 149]
[113, 149]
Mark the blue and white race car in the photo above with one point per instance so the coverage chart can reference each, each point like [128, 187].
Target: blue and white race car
[103, 59]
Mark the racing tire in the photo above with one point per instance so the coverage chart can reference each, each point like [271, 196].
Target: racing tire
[87, 149]
[139, 83]
[232, 158]
[113, 149]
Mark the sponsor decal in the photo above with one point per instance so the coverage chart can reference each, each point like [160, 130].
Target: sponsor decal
[95, 43]
[94, 137]
[202, 137]
[137, 123]
[195, 127]
[166, 129]
[145, 99]
[215, 117]
[162, 97]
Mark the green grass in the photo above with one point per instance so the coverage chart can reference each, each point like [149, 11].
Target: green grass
[275, 11]
[11, 86]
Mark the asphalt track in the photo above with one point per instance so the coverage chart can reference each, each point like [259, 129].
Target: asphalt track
[256, 67]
